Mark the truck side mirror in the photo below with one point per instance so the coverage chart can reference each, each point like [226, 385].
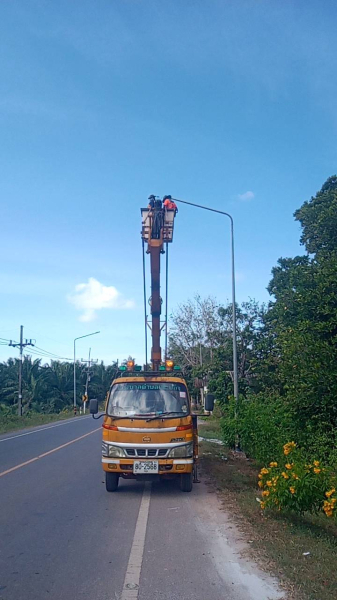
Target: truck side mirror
[93, 407]
[209, 402]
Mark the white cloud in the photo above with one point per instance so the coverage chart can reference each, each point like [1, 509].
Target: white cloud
[246, 196]
[93, 296]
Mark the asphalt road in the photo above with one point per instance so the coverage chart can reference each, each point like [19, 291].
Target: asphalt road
[62, 536]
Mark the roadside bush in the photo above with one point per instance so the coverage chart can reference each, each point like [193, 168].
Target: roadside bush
[293, 484]
[263, 424]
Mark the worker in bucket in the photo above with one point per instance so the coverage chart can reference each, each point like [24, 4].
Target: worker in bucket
[169, 204]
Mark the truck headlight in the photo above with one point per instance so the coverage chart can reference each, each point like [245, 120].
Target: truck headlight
[116, 452]
[181, 451]
[112, 451]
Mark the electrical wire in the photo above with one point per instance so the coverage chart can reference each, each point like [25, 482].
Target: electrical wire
[40, 354]
[166, 301]
[47, 352]
[36, 350]
[145, 315]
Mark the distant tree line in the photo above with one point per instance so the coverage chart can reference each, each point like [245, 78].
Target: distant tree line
[49, 388]
[287, 350]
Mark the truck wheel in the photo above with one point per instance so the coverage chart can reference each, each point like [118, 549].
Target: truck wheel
[186, 482]
[111, 482]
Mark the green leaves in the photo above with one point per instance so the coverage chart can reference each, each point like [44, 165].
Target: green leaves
[49, 388]
[318, 219]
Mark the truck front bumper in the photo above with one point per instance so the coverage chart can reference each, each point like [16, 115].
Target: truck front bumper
[124, 466]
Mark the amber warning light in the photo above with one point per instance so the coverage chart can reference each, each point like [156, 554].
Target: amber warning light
[169, 365]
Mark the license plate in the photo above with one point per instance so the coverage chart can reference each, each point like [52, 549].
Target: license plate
[141, 467]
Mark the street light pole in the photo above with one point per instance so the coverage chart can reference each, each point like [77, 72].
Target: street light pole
[235, 355]
[75, 340]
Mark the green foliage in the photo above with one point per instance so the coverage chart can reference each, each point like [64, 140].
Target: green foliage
[263, 424]
[287, 353]
[318, 218]
[201, 341]
[290, 483]
[48, 388]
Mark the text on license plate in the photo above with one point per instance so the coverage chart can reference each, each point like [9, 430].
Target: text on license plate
[145, 466]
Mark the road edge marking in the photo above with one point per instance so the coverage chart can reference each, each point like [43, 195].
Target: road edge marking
[31, 460]
[13, 437]
[133, 570]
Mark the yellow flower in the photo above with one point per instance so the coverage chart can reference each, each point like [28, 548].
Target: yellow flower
[292, 489]
[262, 505]
[295, 476]
[259, 476]
[264, 471]
[265, 493]
[316, 470]
[269, 484]
[287, 448]
[260, 484]
[273, 464]
[289, 466]
[328, 508]
[330, 492]
[316, 463]
[285, 475]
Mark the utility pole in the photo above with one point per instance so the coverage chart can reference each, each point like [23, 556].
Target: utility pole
[21, 345]
[89, 362]
[75, 340]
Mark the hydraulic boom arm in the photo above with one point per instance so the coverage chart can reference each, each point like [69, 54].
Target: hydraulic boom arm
[157, 230]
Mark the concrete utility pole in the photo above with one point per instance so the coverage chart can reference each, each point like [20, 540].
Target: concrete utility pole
[21, 345]
[75, 340]
[89, 362]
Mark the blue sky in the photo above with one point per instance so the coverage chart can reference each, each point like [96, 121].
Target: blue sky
[105, 102]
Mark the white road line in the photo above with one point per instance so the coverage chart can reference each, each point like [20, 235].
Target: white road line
[13, 437]
[31, 460]
[132, 577]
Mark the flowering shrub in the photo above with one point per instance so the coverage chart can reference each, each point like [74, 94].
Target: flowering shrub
[295, 485]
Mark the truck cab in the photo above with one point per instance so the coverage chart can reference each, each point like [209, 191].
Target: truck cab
[149, 431]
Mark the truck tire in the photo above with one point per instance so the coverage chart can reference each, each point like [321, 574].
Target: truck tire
[111, 482]
[186, 482]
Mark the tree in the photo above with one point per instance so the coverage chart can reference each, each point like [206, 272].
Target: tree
[301, 324]
[201, 340]
[318, 218]
[49, 387]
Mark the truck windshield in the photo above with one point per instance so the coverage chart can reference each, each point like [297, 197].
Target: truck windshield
[148, 399]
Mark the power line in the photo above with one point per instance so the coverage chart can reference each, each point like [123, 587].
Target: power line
[44, 355]
[51, 353]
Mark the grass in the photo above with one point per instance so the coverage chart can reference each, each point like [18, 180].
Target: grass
[279, 540]
[10, 423]
[209, 428]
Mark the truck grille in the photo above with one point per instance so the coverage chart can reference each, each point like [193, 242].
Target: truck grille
[147, 452]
